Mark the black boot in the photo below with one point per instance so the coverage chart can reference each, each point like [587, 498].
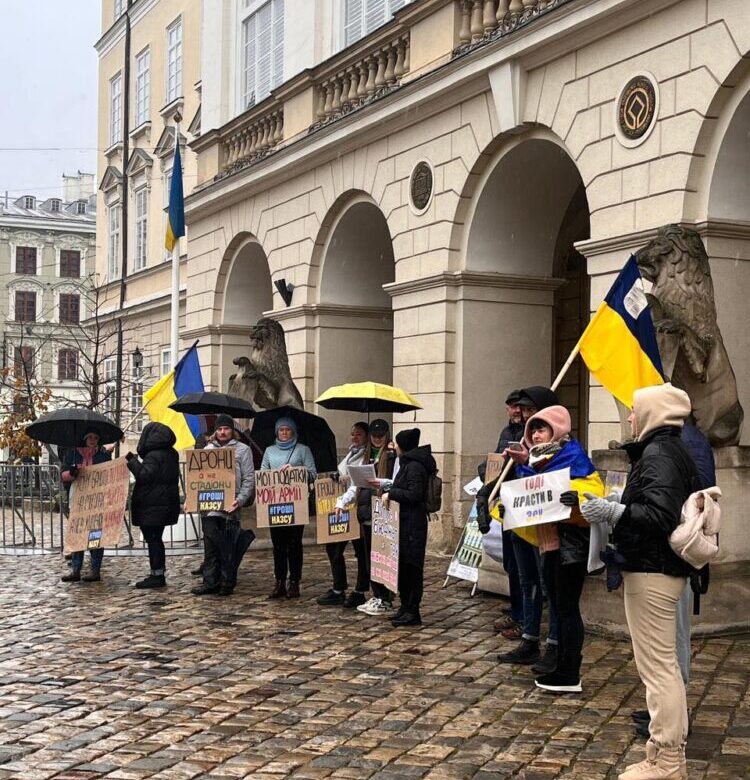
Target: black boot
[292, 591]
[74, 575]
[407, 619]
[548, 663]
[279, 592]
[526, 653]
[204, 590]
[566, 678]
[152, 581]
[93, 576]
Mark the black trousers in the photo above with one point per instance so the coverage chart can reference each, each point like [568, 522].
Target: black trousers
[287, 552]
[514, 581]
[410, 584]
[335, 552]
[221, 535]
[564, 588]
[156, 555]
[379, 591]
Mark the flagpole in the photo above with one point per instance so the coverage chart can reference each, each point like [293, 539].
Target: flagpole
[175, 311]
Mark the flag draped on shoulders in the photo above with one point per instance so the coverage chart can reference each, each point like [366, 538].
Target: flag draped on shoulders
[185, 378]
[176, 215]
[619, 345]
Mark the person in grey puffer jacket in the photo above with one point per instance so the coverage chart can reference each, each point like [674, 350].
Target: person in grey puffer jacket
[225, 542]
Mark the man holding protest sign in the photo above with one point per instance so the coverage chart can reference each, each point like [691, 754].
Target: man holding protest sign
[224, 541]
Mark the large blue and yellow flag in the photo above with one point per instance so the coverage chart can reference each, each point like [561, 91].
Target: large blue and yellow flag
[619, 345]
[176, 216]
[185, 377]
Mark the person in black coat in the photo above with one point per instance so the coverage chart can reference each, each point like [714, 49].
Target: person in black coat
[155, 502]
[409, 489]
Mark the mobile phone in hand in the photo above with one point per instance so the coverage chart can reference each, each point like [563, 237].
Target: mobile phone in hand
[516, 446]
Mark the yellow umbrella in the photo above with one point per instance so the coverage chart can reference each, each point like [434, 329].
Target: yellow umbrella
[367, 397]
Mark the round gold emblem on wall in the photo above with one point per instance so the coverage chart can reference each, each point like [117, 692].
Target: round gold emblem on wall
[637, 109]
[420, 186]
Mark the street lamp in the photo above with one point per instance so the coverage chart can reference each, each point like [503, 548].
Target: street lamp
[137, 357]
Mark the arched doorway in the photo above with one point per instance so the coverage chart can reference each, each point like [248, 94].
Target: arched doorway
[530, 300]
[354, 339]
[247, 294]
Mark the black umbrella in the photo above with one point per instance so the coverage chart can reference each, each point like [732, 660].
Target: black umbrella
[66, 427]
[312, 430]
[213, 403]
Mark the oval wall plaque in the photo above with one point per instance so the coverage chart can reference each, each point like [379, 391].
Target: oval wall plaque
[636, 108]
[421, 185]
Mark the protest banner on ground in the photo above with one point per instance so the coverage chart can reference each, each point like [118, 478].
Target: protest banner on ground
[97, 506]
[464, 564]
[384, 554]
[330, 528]
[535, 500]
[281, 497]
[495, 463]
[210, 479]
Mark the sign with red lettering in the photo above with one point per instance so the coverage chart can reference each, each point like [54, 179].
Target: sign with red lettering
[535, 500]
[97, 506]
[281, 497]
[385, 543]
[210, 479]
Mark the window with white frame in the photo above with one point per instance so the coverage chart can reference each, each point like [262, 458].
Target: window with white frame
[109, 386]
[113, 248]
[174, 60]
[141, 228]
[166, 361]
[115, 110]
[136, 396]
[361, 17]
[262, 46]
[142, 87]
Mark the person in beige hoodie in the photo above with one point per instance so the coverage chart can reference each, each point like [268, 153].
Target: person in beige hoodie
[661, 478]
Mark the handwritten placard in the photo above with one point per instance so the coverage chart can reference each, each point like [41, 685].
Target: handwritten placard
[97, 506]
[281, 497]
[385, 543]
[331, 528]
[535, 500]
[495, 462]
[210, 479]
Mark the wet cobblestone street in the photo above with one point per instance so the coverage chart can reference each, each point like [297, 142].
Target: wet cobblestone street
[98, 680]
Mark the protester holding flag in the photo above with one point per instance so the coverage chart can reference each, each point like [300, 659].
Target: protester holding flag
[155, 502]
[287, 542]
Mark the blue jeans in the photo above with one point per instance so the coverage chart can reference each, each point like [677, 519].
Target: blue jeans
[76, 560]
[530, 574]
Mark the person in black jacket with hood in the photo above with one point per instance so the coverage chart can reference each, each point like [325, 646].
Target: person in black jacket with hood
[155, 502]
[661, 478]
[409, 489]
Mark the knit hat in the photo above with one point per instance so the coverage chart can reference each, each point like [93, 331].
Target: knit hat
[513, 397]
[557, 417]
[285, 422]
[224, 420]
[657, 406]
[408, 440]
[379, 427]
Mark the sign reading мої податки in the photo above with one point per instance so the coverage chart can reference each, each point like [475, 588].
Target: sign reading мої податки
[281, 497]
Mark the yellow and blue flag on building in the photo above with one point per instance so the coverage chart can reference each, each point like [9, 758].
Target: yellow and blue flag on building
[619, 345]
[176, 215]
[184, 378]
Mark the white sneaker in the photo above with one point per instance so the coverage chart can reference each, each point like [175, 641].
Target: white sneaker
[373, 607]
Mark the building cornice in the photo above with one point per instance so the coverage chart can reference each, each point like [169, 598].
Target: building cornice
[41, 223]
[456, 279]
[117, 31]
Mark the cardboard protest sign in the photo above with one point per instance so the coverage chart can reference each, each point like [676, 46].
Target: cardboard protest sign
[210, 480]
[464, 564]
[330, 528]
[281, 497]
[385, 544]
[97, 506]
[495, 463]
[535, 500]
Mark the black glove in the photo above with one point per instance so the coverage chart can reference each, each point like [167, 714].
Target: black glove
[482, 469]
[129, 456]
[501, 510]
[569, 498]
[73, 471]
[483, 514]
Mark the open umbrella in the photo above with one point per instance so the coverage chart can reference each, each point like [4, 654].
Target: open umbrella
[66, 427]
[368, 397]
[312, 430]
[213, 403]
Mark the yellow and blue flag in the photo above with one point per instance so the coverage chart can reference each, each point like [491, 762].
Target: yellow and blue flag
[184, 378]
[176, 216]
[619, 345]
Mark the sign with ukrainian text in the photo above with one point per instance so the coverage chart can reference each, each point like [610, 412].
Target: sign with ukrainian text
[97, 506]
[495, 463]
[281, 497]
[385, 543]
[535, 500]
[210, 479]
[331, 527]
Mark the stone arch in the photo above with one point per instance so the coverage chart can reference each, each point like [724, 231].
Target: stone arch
[244, 291]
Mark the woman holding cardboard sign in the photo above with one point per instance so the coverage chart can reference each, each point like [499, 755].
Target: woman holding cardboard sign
[287, 542]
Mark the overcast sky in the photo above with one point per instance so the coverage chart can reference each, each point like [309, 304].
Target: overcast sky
[48, 77]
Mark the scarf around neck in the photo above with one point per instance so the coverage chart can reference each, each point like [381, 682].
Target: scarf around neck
[290, 444]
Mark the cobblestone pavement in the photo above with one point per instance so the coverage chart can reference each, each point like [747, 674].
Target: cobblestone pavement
[99, 680]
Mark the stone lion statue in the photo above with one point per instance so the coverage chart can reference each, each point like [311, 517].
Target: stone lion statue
[690, 343]
[263, 378]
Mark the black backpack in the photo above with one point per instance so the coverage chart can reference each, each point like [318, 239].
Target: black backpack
[434, 493]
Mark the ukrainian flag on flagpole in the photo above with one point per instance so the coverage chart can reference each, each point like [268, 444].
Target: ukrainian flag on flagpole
[185, 377]
[176, 216]
[619, 345]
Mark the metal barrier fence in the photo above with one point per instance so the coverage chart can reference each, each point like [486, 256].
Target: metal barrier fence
[34, 507]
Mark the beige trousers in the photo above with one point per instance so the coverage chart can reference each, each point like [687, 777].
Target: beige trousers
[650, 607]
